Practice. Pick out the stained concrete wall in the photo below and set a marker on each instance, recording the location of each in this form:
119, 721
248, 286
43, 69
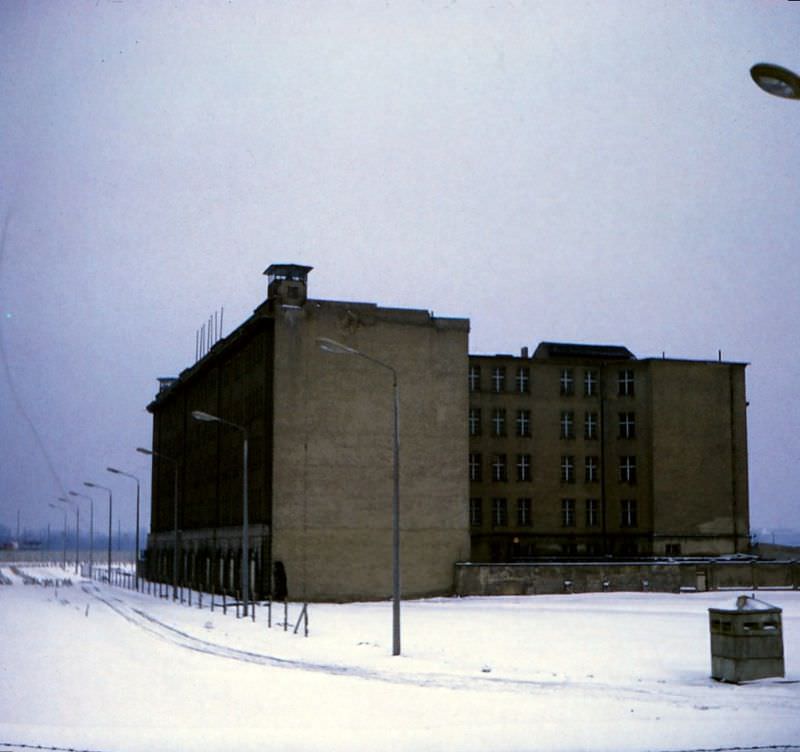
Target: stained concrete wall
333, 439
594, 577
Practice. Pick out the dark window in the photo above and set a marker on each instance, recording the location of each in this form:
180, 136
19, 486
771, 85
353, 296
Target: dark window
499, 471
628, 510
627, 469
476, 511
592, 468
524, 518
627, 425
498, 379
567, 512
499, 421
475, 466
592, 512
523, 422
567, 424
590, 425
523, 467
590, 383
523, 379
474, 421
474, 378
673, 549
567, 469
499, 513
625, 383
566, 382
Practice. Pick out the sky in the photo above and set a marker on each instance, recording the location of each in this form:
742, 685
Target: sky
575, 171
103, 668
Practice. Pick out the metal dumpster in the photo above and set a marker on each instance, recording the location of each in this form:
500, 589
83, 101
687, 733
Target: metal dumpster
746, 642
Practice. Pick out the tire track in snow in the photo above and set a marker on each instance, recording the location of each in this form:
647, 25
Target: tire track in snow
175, 636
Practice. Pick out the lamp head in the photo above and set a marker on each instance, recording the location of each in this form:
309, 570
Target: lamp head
206, 417
144, 451
332, 346
775, 80
114, 470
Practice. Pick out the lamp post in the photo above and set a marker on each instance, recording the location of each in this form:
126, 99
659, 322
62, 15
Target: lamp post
91, 529
331, 346
136, 559
775, 80
77, 529
103, 488
206, 417
174, 462
64, 511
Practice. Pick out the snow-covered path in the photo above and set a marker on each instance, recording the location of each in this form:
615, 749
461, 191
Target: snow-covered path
99, 668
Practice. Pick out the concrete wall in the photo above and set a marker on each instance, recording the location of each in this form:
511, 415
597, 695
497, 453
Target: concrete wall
594, 577
699, 456
333, 439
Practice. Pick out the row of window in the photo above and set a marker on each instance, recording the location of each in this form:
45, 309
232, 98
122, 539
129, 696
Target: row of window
522, 423
522, 378
569, 512
499, 463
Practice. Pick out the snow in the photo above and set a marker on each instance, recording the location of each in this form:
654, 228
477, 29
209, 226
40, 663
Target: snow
95, 667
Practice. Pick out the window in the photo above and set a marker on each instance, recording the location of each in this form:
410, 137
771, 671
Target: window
628, 509
523, 422
627, 425
499, 421
590, 425
672, 549
523, 379
627, 469
567, 424
592, 468
567, 469
625, 383
499, 379
474, 421
590, 383
474, 378
567, 512
592, 512
475, 466
476, 511
499, 468
524, 518
499, 513
523, 467
566, 382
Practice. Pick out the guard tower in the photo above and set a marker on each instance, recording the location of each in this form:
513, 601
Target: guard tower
288, 283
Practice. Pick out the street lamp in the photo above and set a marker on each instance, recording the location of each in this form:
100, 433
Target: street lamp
775, 80
136, 561
77, 529
64, 511
337, 348
91, 529
103, 488
207, 418
174, 462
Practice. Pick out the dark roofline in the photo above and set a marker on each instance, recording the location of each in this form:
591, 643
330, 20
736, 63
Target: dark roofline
576, 350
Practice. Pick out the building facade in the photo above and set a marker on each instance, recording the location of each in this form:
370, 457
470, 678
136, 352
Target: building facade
320, 435
587, 451
575, 451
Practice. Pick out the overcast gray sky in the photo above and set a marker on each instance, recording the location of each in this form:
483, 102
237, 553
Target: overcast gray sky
578, 171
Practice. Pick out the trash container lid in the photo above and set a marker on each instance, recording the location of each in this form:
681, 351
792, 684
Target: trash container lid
748, 603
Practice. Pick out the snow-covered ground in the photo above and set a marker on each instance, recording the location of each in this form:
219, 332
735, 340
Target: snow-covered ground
92, 667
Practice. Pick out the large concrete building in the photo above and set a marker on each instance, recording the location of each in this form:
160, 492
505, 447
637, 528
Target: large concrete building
574, 451
584, 450
320, 467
